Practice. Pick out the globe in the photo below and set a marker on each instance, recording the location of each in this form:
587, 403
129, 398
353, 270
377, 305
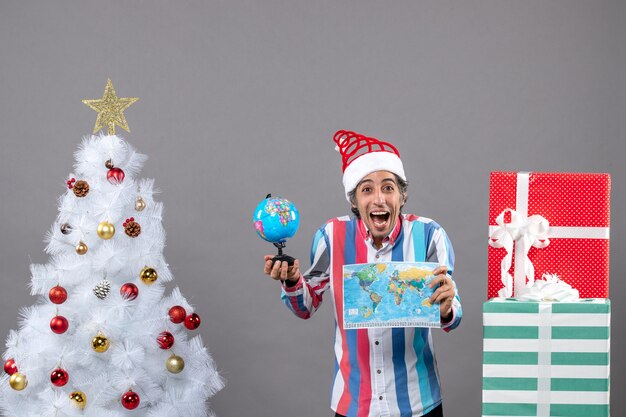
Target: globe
276, 219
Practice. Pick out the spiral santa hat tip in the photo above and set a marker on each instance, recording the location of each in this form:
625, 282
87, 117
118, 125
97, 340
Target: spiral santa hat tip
361, 155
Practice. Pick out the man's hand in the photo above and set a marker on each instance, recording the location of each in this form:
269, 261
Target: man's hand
444, 294
281, 271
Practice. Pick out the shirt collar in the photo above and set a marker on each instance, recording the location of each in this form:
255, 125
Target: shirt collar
392, 236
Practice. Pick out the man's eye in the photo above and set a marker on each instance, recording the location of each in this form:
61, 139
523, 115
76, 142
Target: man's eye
365, 190
388, 188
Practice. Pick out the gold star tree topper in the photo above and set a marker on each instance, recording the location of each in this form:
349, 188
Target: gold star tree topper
110, 110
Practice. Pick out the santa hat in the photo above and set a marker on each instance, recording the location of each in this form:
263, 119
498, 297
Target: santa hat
362, 155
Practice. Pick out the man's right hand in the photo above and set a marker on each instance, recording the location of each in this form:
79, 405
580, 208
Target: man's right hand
281, 271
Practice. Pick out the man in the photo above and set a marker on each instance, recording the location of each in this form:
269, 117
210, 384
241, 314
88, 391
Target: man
378, 372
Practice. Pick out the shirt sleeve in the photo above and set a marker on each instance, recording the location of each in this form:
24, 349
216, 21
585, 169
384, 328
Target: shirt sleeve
305, 297
440, 251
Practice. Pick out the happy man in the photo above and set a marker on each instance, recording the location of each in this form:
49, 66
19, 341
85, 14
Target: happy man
379, 371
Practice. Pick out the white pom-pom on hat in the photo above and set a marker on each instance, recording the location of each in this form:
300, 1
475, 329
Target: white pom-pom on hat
362, 155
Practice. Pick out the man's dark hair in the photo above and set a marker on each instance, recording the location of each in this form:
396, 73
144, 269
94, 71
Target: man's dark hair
402, 185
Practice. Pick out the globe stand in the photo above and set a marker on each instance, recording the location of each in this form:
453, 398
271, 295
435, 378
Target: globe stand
282, 257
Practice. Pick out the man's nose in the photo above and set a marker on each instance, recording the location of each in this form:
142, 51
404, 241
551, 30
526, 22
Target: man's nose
380, 197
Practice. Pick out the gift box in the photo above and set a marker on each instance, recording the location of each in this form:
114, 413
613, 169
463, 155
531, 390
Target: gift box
554, 223
546, 359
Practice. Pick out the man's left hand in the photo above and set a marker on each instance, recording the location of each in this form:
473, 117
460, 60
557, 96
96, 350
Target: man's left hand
444, 294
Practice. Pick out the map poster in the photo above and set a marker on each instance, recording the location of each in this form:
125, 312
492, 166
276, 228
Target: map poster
389, 294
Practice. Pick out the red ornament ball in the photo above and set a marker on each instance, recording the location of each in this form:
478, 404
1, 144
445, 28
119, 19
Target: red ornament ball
59, 324
165, 340
10, 367
192, 321
129, 291
59, 377
57, 294
177, 314
130, 400
115, 176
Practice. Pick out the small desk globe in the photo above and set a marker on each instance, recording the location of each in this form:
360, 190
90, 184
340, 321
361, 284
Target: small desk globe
276, 219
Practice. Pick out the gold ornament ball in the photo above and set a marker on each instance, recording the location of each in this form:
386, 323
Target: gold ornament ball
81, 248
175, 364
106, 230
79, 399
18, 381
140, 204
100, 343
148, 275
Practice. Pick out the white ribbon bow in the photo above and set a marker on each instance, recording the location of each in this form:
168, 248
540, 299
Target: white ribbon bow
549, 288
524, 232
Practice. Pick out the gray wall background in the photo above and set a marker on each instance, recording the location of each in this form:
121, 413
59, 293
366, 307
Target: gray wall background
241, 98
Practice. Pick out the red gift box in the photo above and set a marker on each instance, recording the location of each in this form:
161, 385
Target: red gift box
560, 219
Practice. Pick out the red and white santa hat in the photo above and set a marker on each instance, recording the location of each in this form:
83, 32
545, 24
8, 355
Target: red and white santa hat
362, 155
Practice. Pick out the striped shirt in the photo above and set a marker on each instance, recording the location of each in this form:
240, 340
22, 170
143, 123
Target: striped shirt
378, 372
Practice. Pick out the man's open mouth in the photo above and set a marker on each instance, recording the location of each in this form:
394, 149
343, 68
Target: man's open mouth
379, 218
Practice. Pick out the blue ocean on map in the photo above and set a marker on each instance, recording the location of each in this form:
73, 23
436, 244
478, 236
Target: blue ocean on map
389, 294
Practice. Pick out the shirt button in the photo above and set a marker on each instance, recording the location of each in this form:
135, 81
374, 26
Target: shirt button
378, 371
380, 398
377, 343
377, 256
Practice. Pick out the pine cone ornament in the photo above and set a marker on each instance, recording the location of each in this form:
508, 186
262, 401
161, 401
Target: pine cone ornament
102, 289
131, 227
81, 188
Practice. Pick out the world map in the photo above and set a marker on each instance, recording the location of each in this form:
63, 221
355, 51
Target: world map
390, 294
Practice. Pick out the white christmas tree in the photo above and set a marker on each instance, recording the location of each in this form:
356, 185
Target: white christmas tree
103, 339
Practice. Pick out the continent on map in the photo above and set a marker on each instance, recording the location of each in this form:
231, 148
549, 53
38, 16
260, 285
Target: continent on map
376, 299
412, 279
367, 276
415, 273
280, 206
258, 225
397, 288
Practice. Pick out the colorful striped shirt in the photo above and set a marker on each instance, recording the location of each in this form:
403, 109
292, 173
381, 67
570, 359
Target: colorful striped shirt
378, 372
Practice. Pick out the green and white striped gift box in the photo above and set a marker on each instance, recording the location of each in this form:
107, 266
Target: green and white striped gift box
546, 359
